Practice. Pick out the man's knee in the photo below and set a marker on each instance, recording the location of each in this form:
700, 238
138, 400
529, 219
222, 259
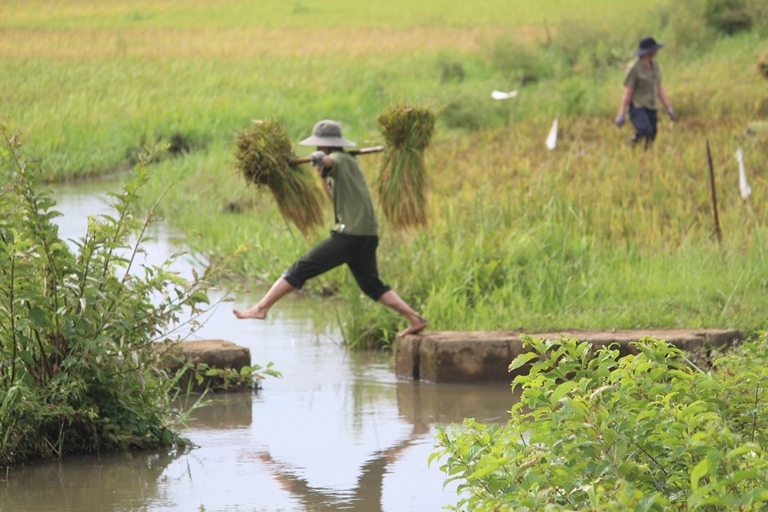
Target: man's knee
293, 279
372, 287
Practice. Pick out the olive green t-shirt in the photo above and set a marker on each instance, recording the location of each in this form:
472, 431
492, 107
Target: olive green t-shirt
644, 82
352, 203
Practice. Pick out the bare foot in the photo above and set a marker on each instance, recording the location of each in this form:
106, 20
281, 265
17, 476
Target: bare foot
256, 312
414, 328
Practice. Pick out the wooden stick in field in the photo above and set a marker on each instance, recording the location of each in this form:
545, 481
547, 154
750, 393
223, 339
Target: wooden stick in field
718, 231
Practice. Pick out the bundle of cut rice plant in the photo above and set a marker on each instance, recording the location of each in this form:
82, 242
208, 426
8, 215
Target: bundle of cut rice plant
403, 183
263, 156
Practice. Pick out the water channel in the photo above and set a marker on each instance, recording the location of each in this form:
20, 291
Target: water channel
339, 431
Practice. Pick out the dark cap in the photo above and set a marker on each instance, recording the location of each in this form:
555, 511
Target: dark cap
647, 45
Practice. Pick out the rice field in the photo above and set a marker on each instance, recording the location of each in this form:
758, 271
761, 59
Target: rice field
592, 234
343, 14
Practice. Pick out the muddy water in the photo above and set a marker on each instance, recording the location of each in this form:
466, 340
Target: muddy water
338, 432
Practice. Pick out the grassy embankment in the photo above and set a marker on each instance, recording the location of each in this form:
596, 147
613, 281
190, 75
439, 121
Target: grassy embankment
591, 235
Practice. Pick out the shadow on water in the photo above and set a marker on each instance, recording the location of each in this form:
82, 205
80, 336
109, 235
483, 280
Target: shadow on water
339, 431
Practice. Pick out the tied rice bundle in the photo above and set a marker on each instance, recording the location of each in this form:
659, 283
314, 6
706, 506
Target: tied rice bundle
263, 156
403, 183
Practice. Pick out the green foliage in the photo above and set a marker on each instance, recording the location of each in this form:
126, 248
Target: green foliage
364, 324
594, 431
452, 71
728, 16
574, 95
577, 46
472, 112
588, 45
685, 28
758, 10
229, 379
522, 62
77, 369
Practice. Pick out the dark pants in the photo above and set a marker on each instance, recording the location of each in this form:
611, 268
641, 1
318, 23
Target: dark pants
358, 252
645, 121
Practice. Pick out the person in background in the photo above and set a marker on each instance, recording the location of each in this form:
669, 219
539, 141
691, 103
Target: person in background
353, 240
643, 92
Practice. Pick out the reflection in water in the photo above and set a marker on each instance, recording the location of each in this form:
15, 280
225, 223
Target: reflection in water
224, 411
126, 481
425, 403
337, 432
422, 405
366, 496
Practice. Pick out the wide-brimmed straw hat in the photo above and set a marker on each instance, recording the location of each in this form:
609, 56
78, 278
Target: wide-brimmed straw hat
647, 45
327, 134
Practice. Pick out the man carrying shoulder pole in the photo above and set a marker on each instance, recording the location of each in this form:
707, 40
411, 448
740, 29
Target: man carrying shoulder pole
353, 240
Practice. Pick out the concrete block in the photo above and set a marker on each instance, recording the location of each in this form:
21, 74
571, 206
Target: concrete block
216, 353
407, 357
485, 356
465, 357
220, 354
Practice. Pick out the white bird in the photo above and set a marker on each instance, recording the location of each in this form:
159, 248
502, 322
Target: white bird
500, 95
744, 189
552, 137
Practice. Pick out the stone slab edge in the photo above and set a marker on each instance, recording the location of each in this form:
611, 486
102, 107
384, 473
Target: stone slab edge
478, 356
215, 353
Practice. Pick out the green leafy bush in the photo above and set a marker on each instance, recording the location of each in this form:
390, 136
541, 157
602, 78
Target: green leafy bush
574, 93
728, 16
684, 27
758, 10
521, 62
77, 369
593, 431
590, 46
452, 71
202, 377
693, 26
473, 112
